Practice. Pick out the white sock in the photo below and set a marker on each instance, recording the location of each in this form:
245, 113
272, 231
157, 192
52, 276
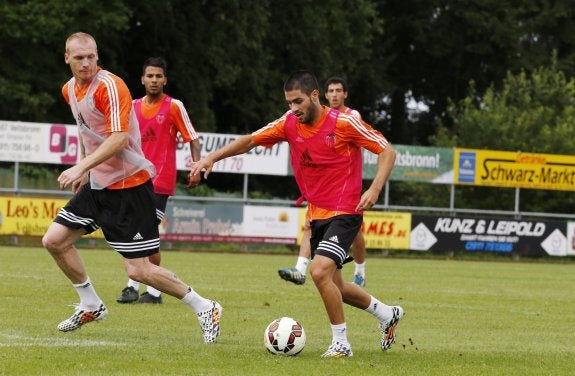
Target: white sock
152, 291
360, 269
382, 311
88, 297
134, 284
301, 264
196, 302
339, 332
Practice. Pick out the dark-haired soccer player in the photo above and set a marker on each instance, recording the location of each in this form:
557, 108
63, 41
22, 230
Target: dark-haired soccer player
325, 147
161, 118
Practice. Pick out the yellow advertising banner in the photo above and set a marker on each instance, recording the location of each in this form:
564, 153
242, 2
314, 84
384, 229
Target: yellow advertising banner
381, 230
386, 230
30, 216
514, 169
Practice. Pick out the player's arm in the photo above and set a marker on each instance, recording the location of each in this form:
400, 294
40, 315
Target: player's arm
266, 136
111, 146
240, 145
184, 125
364, 135
195, 151
385, 162
76, 185
186, 128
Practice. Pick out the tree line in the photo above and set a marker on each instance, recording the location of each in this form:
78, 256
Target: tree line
485, 74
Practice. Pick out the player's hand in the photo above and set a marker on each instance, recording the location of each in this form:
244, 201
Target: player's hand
72, 176
368, 199
194, 180
79, 183
204, 164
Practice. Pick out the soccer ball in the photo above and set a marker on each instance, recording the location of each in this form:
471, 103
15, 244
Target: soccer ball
284, 336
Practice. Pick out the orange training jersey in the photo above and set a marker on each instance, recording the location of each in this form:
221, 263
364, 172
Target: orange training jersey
178, 115
115, 102
350, 132
159, 124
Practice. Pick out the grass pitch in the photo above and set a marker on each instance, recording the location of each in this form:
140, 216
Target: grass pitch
462, 318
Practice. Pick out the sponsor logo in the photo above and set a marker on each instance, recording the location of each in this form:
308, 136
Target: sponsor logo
467, 163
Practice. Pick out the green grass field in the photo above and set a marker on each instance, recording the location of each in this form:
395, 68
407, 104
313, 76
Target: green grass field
462, 318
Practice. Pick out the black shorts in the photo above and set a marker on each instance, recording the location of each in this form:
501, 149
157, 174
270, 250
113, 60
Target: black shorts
161, 202
333, 237
127, 217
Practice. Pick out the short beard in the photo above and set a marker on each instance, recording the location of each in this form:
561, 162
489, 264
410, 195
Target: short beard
310, 116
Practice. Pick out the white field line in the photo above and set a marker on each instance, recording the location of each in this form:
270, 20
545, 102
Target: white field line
21, 276
14, 340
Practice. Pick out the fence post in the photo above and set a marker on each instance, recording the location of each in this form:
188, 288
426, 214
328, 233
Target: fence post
16, 175
517, 201
245, 193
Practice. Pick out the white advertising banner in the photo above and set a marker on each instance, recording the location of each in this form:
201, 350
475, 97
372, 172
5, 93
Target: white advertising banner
271, 221
58, 144
260, 160
38, 142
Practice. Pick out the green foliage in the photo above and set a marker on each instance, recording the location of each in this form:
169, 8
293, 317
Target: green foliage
228, 60
34, 171
33, 34
433, 49
462, 318
418, 194
532, 112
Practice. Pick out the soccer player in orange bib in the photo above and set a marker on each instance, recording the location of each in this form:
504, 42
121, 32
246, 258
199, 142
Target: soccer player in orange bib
336, 94
325, 147
161, 118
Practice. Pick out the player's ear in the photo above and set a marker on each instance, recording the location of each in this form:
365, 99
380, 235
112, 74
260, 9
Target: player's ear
142, 80
315, 95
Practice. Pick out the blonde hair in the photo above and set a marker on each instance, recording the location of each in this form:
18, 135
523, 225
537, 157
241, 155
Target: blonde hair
82, 36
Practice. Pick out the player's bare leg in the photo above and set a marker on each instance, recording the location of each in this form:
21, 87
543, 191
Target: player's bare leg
208, 311
59, 241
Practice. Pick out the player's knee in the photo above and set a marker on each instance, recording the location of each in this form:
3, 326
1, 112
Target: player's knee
135, 273
319, 275
142, 273
50, 243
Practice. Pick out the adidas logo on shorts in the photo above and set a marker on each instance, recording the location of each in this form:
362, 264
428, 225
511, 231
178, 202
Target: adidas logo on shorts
334, 239
138, 236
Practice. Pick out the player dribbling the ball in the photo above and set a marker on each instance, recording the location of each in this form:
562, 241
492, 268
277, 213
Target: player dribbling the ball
325, 148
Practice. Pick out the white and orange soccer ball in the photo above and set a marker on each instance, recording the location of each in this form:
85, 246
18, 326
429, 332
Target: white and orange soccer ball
284, 336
